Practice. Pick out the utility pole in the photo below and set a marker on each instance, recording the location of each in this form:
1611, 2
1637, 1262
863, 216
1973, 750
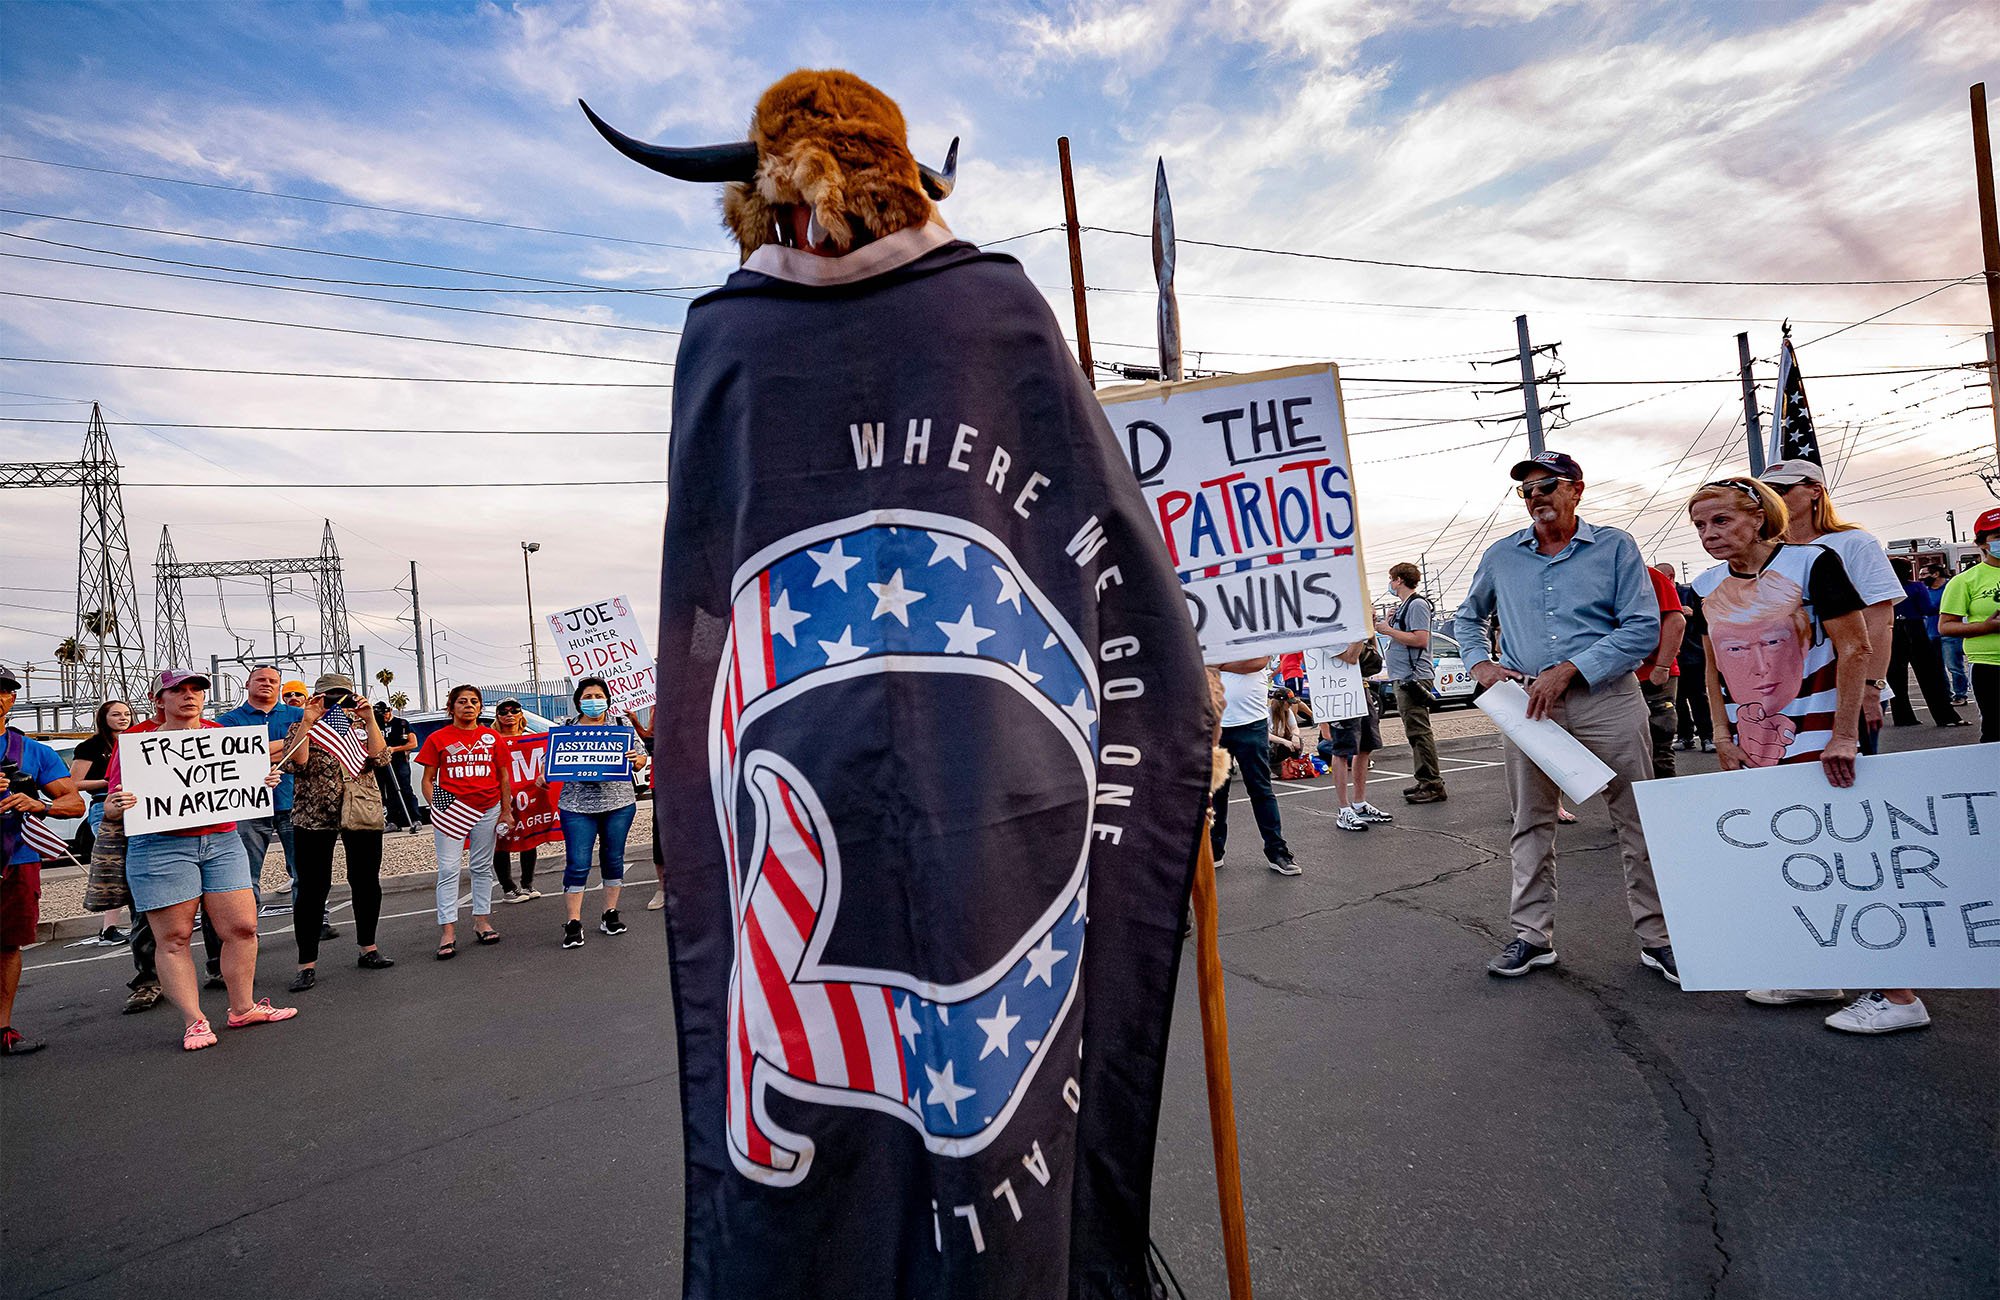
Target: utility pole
1951, 526
1751, 425
1989, 244
1075, 233
534, 659
417, 630
1532, 402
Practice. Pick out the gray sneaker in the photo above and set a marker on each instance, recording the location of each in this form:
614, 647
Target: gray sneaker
1284, 866
1871, 1013
1785, 997
1368, 812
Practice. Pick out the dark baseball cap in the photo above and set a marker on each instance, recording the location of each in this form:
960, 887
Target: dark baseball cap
9, 682
1554, 462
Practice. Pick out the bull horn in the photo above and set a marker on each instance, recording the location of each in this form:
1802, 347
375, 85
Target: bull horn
938, 184
736, 161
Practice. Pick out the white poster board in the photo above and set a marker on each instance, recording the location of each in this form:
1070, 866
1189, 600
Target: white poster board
1565, 759
604, 639
195, 778
1249, 480
1771, 878
1338, 690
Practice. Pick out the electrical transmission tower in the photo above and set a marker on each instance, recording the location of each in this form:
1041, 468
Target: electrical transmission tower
108, 635
170, 626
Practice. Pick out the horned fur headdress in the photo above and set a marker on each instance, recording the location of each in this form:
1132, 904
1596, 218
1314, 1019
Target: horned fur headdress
827, 166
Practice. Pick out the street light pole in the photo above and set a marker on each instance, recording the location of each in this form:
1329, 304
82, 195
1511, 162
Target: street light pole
534, 660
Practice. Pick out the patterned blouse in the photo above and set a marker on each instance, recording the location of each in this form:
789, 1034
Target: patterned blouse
319, 782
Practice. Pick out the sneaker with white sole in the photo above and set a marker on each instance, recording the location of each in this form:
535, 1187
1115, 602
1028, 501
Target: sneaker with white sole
1785, 997
1661, 959
1349, 820
659, 900
1871, 1013
1368, 812
1284, 866
610, 924
1518, 958
572, 934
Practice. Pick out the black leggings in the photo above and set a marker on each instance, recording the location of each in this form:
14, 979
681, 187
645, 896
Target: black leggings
315, 865
1986, 693
500, 866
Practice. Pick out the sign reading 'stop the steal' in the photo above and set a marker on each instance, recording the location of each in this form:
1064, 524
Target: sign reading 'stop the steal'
1250, 482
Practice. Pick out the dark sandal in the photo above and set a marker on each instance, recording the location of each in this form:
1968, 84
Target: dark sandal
486, 936
446, 951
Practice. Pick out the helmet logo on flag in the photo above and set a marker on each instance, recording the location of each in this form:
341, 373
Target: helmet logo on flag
860, 656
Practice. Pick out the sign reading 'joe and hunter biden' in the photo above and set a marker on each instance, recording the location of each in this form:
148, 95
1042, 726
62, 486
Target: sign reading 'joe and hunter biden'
1771, 878
1249, 480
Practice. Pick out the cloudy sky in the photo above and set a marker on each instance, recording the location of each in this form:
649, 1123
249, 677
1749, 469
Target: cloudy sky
408, 190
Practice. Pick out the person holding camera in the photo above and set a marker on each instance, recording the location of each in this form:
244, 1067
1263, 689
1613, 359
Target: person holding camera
331, 804
38, 785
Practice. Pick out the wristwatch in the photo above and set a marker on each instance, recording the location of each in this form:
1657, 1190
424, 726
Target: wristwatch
1876, 682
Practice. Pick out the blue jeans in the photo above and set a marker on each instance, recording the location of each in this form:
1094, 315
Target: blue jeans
580, 831
1954, 666
1250, 745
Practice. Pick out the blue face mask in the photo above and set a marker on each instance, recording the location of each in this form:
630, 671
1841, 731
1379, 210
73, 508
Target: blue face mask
1993, 548
593, 708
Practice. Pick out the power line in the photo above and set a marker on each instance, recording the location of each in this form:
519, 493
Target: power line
1528, 275
366, 207
553, 483
322, 428
312, 374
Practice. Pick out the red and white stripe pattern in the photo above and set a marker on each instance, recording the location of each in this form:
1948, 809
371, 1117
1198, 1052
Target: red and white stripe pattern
832, 1034
336, 733
454, 817
43, 840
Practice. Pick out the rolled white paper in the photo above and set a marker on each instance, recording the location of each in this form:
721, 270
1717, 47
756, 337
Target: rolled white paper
1562, 756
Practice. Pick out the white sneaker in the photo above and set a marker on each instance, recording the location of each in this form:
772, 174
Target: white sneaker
514, 896
1350, 820
1871, 1013
1785, 997
1368, 812
659, 900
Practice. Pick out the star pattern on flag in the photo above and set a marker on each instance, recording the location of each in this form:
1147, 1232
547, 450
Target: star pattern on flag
998, 1028
785, 620
963, 636
894, 598
947, 547
1796, 437
833, 565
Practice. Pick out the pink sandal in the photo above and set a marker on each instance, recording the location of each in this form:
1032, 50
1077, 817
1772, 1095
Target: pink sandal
261, 1013
197, 1036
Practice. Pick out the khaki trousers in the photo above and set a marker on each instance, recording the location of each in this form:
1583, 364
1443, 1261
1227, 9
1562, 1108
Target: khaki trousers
1612, 724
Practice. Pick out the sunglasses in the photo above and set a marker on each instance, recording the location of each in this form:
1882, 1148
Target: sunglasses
1741, 485
509, 709
1541, 487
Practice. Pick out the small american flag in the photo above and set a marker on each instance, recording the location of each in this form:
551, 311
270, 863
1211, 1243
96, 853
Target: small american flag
43, 840
453, 816
337, 733
1792, 433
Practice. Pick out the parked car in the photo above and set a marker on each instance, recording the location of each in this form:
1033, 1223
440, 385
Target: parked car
1451, 680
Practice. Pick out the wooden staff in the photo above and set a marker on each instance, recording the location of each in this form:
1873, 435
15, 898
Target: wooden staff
1215, 1055
1075, 233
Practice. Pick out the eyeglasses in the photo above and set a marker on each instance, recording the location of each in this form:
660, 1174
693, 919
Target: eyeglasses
1541, 487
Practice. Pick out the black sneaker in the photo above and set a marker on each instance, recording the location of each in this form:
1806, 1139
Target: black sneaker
143, 998
610, 923
304, 980
1284, 866
572, 934
1520, 957
326, 931
1661, 959
374, 960
111, 935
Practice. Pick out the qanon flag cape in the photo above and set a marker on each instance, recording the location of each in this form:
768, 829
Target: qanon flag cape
931, 757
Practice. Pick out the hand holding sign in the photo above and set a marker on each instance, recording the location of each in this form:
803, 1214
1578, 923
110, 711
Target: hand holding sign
181, 779
603, 639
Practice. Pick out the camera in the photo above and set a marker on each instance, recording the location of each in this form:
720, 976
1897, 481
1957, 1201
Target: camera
338, 699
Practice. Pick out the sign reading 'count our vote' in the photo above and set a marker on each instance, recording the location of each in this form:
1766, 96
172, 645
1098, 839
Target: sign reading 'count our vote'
1772, 878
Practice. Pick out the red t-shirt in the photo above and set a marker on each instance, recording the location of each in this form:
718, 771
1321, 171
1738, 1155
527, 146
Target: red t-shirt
1291, 665
1670, 603
115, 777
464, 763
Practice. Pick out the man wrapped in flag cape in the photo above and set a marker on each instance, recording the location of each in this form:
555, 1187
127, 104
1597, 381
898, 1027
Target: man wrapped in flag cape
932, 749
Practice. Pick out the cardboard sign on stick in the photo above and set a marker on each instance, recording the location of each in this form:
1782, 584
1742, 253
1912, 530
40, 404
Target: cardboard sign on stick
1251, 485
195, 778
1772, 878
604, 639
1338, 690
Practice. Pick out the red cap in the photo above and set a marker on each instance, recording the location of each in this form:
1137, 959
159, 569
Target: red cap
1986, 523
172, 677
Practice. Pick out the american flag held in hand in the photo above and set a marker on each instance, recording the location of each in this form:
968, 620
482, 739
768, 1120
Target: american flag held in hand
337, 733
454, 816
42, 839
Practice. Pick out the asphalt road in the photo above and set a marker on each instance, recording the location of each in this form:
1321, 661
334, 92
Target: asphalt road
507, 1124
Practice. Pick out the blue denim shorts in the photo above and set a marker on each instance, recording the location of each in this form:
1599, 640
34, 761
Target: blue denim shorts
163, 870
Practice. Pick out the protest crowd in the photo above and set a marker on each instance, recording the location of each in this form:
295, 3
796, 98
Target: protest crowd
1788, 643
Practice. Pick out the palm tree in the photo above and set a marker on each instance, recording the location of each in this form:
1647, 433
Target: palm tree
100, 623
400, 700
69, 654
384, 676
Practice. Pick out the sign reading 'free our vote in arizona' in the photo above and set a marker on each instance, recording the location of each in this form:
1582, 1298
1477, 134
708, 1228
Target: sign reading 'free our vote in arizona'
1771, 878
194, 778
1250, 482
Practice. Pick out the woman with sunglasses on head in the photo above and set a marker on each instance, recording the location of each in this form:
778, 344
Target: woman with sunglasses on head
461, 777
90, 764
512, 722
594, 813
1788, 652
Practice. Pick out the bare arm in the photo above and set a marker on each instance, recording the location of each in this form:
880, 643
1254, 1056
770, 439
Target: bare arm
1726, 749
59, 798
77, 768
1245, 665
1673, 629
1853, 660
1879, 618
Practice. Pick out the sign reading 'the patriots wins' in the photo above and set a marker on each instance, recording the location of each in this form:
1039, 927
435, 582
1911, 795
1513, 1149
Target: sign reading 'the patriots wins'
932, 751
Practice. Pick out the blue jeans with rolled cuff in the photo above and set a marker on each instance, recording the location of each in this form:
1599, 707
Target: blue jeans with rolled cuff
607, 830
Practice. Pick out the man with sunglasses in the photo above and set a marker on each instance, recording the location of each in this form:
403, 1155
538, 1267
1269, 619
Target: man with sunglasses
1577, 618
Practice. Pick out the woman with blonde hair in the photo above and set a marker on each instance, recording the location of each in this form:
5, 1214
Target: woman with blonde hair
1787, 649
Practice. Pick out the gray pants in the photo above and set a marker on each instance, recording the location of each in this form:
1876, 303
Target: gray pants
478, 858
1612, 723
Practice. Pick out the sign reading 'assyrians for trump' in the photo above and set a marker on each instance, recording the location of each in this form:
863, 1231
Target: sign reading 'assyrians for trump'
1772, 878
1249, 480
195, 778
603, 639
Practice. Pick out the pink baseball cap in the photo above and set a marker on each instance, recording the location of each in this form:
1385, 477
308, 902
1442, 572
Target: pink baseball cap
172, 677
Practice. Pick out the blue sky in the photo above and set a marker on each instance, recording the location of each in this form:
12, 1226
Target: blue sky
1680, 140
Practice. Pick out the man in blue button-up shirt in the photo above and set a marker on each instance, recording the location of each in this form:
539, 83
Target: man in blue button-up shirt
1577, 617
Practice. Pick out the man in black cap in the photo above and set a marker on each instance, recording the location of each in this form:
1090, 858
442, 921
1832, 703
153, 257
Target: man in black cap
1577, 618
38, 784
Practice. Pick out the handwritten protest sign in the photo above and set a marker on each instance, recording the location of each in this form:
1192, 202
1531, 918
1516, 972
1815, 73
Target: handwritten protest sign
1251, 484
603, 639
1771, 878
195, 778
536, 820
589, 753
1338, 690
